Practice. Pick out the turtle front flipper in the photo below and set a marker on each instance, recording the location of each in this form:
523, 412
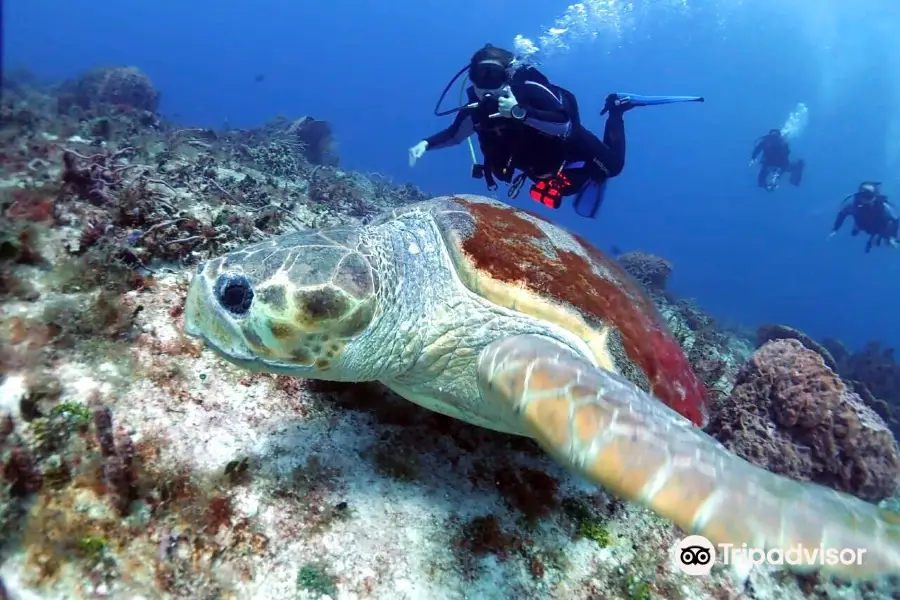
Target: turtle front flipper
625, 440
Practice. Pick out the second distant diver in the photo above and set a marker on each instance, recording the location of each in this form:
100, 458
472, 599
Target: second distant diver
872, 213
525, 123
775, 161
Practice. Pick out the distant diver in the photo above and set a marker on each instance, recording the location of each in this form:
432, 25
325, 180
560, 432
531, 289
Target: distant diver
526, 123
775, 161
872, 213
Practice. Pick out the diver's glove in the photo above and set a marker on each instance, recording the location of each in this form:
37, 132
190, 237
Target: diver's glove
617, 105
505, 105
416, 152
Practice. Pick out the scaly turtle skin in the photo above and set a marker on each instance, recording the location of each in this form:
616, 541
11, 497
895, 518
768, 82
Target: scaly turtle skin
496, 317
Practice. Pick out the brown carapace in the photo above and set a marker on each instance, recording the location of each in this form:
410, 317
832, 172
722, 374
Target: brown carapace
514, 249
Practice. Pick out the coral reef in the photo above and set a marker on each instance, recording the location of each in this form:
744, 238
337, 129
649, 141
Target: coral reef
134, 463
311, 138
874, 366
715, 355
874, 374
650, 270
125, 87
774, 331
791, 414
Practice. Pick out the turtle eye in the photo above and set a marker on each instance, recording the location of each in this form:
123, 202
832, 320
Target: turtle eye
234, 293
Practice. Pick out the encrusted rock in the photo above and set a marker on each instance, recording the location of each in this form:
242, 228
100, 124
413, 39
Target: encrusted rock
774, 331
789, 413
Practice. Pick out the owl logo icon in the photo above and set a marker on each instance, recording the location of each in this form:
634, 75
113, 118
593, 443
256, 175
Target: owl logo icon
695, 555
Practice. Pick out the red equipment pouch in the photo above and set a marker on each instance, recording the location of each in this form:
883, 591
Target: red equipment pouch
549, 192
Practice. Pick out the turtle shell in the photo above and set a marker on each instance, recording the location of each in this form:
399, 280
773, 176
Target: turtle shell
523, 262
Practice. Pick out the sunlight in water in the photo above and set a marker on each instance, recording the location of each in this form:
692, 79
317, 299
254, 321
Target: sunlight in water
796, 122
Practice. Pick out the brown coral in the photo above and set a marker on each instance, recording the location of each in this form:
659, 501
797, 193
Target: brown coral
651, 270
774, 331
791, 414
117, 86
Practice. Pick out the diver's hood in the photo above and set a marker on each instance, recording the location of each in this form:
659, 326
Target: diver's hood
488, 75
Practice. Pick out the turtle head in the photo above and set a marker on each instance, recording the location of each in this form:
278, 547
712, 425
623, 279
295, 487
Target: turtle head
294, 305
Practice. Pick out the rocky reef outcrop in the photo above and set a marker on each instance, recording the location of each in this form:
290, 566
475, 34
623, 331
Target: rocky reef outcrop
127, 87
775, 331
874, 365
872, 372
791, 414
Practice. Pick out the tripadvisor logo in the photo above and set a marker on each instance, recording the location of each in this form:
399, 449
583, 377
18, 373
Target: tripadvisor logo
696, 555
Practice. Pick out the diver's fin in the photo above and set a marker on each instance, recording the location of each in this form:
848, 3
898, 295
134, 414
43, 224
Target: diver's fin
797, 172
639, 100
587, 202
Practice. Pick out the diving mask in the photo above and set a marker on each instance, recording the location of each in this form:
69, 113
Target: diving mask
488, 75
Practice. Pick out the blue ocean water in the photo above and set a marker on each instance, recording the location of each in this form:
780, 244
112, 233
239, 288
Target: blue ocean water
375, 70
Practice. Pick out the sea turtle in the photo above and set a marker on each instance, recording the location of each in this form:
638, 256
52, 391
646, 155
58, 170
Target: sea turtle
495, 316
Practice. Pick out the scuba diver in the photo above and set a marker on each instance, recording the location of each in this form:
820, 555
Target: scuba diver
775, 152
525, 123
872, 214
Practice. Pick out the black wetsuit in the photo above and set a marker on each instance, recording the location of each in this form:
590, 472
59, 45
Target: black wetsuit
775, 158
548, 141
872, 214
